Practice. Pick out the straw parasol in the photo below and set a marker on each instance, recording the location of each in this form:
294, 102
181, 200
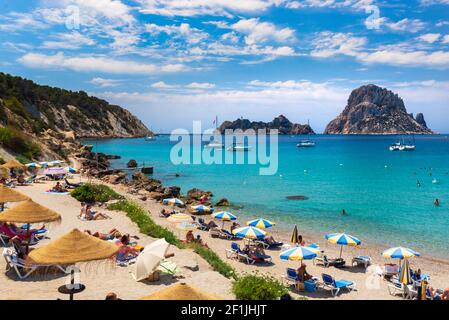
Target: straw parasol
13, 164
73, 247
180, 291
9, 195
29, 212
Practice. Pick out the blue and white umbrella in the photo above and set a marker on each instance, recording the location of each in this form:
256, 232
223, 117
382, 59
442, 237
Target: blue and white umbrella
260, 223
173, 201
70, 170
33, 165
201, 208
343, 239
249, 233
299, 253
400, 253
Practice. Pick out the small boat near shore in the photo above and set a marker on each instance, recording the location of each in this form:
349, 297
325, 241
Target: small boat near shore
398, 146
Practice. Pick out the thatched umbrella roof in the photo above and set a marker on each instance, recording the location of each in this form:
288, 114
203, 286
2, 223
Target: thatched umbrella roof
13, 164
73, 247
180, 291
9, 195
29, 212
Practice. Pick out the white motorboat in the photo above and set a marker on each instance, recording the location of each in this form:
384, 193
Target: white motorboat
239, 147
306, 144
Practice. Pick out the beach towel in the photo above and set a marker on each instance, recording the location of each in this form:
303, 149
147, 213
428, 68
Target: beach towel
58, 193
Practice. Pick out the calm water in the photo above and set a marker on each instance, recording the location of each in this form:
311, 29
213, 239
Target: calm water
376, 187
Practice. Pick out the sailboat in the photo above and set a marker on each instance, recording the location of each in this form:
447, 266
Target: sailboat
402, 146
214, 144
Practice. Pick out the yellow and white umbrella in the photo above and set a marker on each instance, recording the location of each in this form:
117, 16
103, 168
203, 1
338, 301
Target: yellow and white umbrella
179, 217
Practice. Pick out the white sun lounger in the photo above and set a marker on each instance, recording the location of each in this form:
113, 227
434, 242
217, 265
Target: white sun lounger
23, 269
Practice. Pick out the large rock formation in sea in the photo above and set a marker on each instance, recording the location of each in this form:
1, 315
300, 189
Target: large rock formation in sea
54, 118
281, 123
375, 110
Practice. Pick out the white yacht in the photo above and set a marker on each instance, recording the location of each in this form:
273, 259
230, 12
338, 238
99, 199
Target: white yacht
399, 146
305, 144
214, 144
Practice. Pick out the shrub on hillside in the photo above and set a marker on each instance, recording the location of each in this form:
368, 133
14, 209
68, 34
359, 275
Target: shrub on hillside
94, 193
14, 140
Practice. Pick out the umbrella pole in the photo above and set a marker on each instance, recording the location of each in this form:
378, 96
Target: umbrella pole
28, 238
341, 250
72, 282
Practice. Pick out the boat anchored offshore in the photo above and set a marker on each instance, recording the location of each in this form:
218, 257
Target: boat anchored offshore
398, 146
239, 147
214, 145
305, 144
150, 138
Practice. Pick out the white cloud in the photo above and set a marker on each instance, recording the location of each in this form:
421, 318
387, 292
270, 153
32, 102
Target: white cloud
68, 40
353, 4
190, 8
95, 64
446, 39
433, 2
183, 31
203, 85
15, 21
404, 25
163, 85
328, 44
104, 83
437, 59
430, 37
259, 32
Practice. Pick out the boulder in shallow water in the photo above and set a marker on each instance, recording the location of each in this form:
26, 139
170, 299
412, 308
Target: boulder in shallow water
300, 198
132, 163
223, 203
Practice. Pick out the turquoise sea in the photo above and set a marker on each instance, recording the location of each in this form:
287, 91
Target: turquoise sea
377, 187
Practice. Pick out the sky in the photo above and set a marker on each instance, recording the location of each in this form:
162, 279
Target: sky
174, 61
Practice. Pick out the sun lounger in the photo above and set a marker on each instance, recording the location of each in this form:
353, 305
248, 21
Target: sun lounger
396, 287
361, 261
336, 285
291, 276
222, 234
23, 269
4, 239
202, 225
237, 253
266, 245
328, 262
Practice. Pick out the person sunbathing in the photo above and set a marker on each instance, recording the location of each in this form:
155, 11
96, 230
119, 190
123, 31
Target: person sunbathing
88, 214
58, 188
234, 225
190, 237
212, 224
437, 294
200, 241
165, 214
303, 275
112, 234
11, 231
16, 242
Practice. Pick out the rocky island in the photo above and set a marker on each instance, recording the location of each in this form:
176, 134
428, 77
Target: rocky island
375, 110
280, 123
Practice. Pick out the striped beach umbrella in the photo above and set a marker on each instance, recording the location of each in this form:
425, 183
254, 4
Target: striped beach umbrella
55, 163
249, 233
224, 216
201, 208
299, 253
33, 165
400, 253
70, 170
294, 238
173, 201
44, 164
405, 276
342, 239
260, 223
179, 217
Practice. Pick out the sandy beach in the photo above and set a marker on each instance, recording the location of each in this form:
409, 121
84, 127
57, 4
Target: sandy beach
101, 278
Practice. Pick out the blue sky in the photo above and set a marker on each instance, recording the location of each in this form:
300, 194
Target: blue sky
174, 61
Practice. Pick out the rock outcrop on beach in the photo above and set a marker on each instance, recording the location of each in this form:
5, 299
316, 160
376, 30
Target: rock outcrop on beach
375, 110
280, 123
